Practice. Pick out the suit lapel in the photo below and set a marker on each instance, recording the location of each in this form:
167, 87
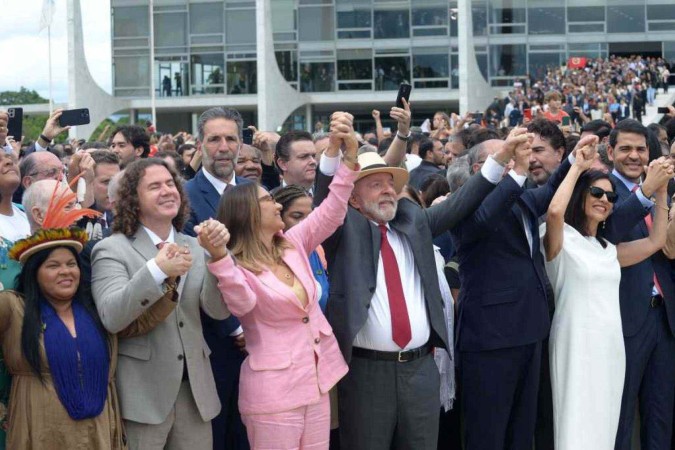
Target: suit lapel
142, 243
272, 282
210, 194
624, 193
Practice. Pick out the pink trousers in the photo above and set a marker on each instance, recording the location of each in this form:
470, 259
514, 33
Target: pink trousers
307, 427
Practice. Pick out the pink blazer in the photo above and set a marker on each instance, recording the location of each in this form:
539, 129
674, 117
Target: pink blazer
293, 354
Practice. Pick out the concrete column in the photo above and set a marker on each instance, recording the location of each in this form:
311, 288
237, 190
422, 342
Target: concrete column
133, 116
276, 98
83, 91
474, 91
195, 121
309, 123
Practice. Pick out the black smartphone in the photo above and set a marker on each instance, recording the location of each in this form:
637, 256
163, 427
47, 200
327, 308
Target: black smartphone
74, 117
403, 93
247, 136
662, 110
15, 123
478, 117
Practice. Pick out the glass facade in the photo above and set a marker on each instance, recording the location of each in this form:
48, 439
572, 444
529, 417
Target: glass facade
208, 46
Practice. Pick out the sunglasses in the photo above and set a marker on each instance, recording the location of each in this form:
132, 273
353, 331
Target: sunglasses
597, 192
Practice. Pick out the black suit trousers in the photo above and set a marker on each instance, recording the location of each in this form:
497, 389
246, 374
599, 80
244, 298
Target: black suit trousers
499, 397
649, 384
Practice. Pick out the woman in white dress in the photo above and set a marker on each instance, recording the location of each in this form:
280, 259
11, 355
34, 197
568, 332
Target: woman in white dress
586, 347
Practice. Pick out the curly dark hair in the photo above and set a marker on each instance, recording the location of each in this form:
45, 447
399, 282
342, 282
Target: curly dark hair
127, 209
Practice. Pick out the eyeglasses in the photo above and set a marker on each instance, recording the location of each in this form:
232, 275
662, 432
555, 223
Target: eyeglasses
597, 192
265, 199
48, 173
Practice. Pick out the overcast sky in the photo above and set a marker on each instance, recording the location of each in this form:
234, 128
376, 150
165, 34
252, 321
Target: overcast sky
24, 50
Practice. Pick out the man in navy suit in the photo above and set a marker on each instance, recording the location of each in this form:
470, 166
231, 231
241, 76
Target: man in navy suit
646, 295
503, 322
220, 139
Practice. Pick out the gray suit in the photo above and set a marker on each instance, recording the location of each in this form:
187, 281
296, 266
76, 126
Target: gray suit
150, 367
382, 401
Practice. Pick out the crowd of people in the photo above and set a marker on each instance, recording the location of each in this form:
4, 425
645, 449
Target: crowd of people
477, 285
609, 89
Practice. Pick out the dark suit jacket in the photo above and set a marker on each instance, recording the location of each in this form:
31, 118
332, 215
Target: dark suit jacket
203, 205
636, 281
503, 301
420, 173
353, 252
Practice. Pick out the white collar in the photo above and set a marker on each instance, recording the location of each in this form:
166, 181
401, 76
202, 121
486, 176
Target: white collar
156, 239
217, 183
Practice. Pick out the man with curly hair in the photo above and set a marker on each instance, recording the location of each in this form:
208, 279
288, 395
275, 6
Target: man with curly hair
166, 387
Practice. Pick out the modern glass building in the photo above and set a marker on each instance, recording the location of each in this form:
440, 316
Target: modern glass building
343, 47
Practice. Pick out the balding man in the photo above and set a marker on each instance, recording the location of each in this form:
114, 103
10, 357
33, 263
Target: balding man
36, 200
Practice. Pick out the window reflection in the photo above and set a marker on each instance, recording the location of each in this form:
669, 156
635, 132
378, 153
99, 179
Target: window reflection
391, 71
392, 24
241, 77
208, 74
317, 77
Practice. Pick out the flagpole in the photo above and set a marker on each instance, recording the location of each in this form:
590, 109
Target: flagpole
152, 65
49, 47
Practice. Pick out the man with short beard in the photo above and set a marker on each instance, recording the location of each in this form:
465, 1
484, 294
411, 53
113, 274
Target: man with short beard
387, 329
548, 149
220, 141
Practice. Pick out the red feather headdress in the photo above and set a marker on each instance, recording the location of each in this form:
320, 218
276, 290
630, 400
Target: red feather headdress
56, 228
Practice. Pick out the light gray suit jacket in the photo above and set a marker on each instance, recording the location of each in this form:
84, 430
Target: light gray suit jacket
150, 367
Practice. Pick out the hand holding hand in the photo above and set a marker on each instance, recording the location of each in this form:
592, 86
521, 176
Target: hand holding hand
585, 141
522, 152
213, 236
173, 260
508, 151
659, 172
585, 157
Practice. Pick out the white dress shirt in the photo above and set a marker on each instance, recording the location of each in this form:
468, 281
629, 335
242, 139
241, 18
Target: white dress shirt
376, 334
157, 273
218, 184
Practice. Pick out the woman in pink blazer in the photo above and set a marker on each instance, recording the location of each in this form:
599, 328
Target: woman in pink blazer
294, 358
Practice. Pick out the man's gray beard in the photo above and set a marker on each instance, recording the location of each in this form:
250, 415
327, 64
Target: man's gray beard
374, 211
222, 173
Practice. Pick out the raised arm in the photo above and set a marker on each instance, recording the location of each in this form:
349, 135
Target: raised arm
473, 209
633, 252
397, 150
555, 217
327, 217
379, 131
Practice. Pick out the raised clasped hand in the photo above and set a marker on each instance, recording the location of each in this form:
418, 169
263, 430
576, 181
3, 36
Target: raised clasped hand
659, 172
213, 236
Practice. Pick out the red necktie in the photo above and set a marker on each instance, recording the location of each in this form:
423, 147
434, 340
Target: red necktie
400, 322
649, 223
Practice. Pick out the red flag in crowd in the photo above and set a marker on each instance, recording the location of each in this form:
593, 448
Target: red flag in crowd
576, 62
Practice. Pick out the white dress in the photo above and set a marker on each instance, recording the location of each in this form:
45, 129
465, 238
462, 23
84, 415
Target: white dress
587, 356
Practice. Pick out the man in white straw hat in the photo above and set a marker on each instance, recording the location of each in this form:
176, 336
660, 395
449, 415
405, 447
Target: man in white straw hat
385, 305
